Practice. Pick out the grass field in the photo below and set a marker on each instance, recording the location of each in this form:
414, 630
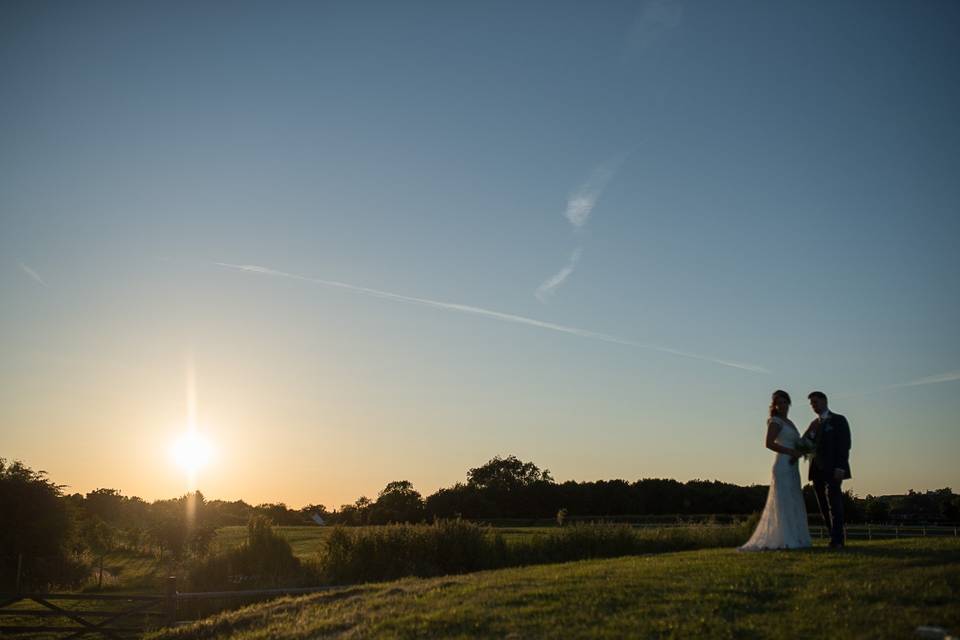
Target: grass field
132, 572
879, 589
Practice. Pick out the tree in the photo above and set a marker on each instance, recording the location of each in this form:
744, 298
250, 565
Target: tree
37, 531
223, 514
278, 513
106, 504
877, 510
310, 510
397, 502
132, 537
505, 474
99, 538
200, 540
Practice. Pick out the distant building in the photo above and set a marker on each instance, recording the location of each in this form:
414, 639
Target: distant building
316, 517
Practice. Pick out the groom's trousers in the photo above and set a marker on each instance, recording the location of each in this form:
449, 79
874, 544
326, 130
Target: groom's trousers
830, 500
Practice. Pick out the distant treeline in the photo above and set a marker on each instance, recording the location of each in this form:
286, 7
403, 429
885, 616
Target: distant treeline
56, 534
509, 488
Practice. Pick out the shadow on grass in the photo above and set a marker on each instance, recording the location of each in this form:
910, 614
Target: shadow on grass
920, 556
212, 624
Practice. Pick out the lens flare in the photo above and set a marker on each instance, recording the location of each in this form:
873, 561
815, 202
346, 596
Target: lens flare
192, 452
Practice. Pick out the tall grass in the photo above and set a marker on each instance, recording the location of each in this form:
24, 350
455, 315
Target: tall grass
585, 541
368, 554
455, 546
393, 551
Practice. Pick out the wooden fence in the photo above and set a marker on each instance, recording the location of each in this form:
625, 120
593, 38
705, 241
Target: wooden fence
113, 621
886, 532
129, 617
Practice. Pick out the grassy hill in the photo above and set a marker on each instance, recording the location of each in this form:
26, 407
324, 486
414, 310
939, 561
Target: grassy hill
872, 590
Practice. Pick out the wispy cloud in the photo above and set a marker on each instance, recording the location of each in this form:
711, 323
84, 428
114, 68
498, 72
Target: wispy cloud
33, 274
580, 205
655, 19
487, 313
581, 202
546, 289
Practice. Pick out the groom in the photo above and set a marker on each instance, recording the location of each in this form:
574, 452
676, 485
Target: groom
830, 465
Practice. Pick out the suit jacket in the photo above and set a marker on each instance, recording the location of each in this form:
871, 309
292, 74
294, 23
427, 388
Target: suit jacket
833, 447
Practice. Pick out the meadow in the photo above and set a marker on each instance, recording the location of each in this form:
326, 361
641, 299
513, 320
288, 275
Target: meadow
127, 571
460, 580
874, 589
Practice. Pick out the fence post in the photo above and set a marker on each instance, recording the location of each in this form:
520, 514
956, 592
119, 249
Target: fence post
869, 532
171, 601
19, 570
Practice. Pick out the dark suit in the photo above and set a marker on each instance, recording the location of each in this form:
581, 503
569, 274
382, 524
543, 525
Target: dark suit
833, 452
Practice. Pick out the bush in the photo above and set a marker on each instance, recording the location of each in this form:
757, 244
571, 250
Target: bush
265, 560
394, 551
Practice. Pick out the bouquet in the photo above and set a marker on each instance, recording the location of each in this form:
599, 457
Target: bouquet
807, 447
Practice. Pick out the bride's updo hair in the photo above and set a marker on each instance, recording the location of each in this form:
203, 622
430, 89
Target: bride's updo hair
779, 393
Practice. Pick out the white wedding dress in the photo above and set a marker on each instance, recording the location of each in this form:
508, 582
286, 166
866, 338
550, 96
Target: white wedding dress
783, 524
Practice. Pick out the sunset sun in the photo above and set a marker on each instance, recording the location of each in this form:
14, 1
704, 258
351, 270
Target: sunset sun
192, 452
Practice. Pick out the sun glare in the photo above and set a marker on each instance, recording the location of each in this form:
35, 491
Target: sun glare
192, 452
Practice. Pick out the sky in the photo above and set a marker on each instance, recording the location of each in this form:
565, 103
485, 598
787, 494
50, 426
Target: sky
385, 241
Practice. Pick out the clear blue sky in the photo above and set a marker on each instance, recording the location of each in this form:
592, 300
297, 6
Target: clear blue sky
769, 187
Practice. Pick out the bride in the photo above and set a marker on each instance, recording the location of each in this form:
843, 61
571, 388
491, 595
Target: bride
783, 524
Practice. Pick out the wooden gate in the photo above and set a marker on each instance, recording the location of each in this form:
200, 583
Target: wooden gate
129, 616
118, 617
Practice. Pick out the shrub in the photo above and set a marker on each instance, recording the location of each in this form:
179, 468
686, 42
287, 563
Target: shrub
393, 551
264, 560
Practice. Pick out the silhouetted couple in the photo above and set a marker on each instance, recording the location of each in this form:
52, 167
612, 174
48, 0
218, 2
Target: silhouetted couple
783, 524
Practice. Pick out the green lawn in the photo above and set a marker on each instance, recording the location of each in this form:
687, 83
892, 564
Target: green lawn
871, 590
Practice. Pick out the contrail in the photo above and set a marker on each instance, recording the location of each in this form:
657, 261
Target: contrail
949, 376
497, 315
33, 274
